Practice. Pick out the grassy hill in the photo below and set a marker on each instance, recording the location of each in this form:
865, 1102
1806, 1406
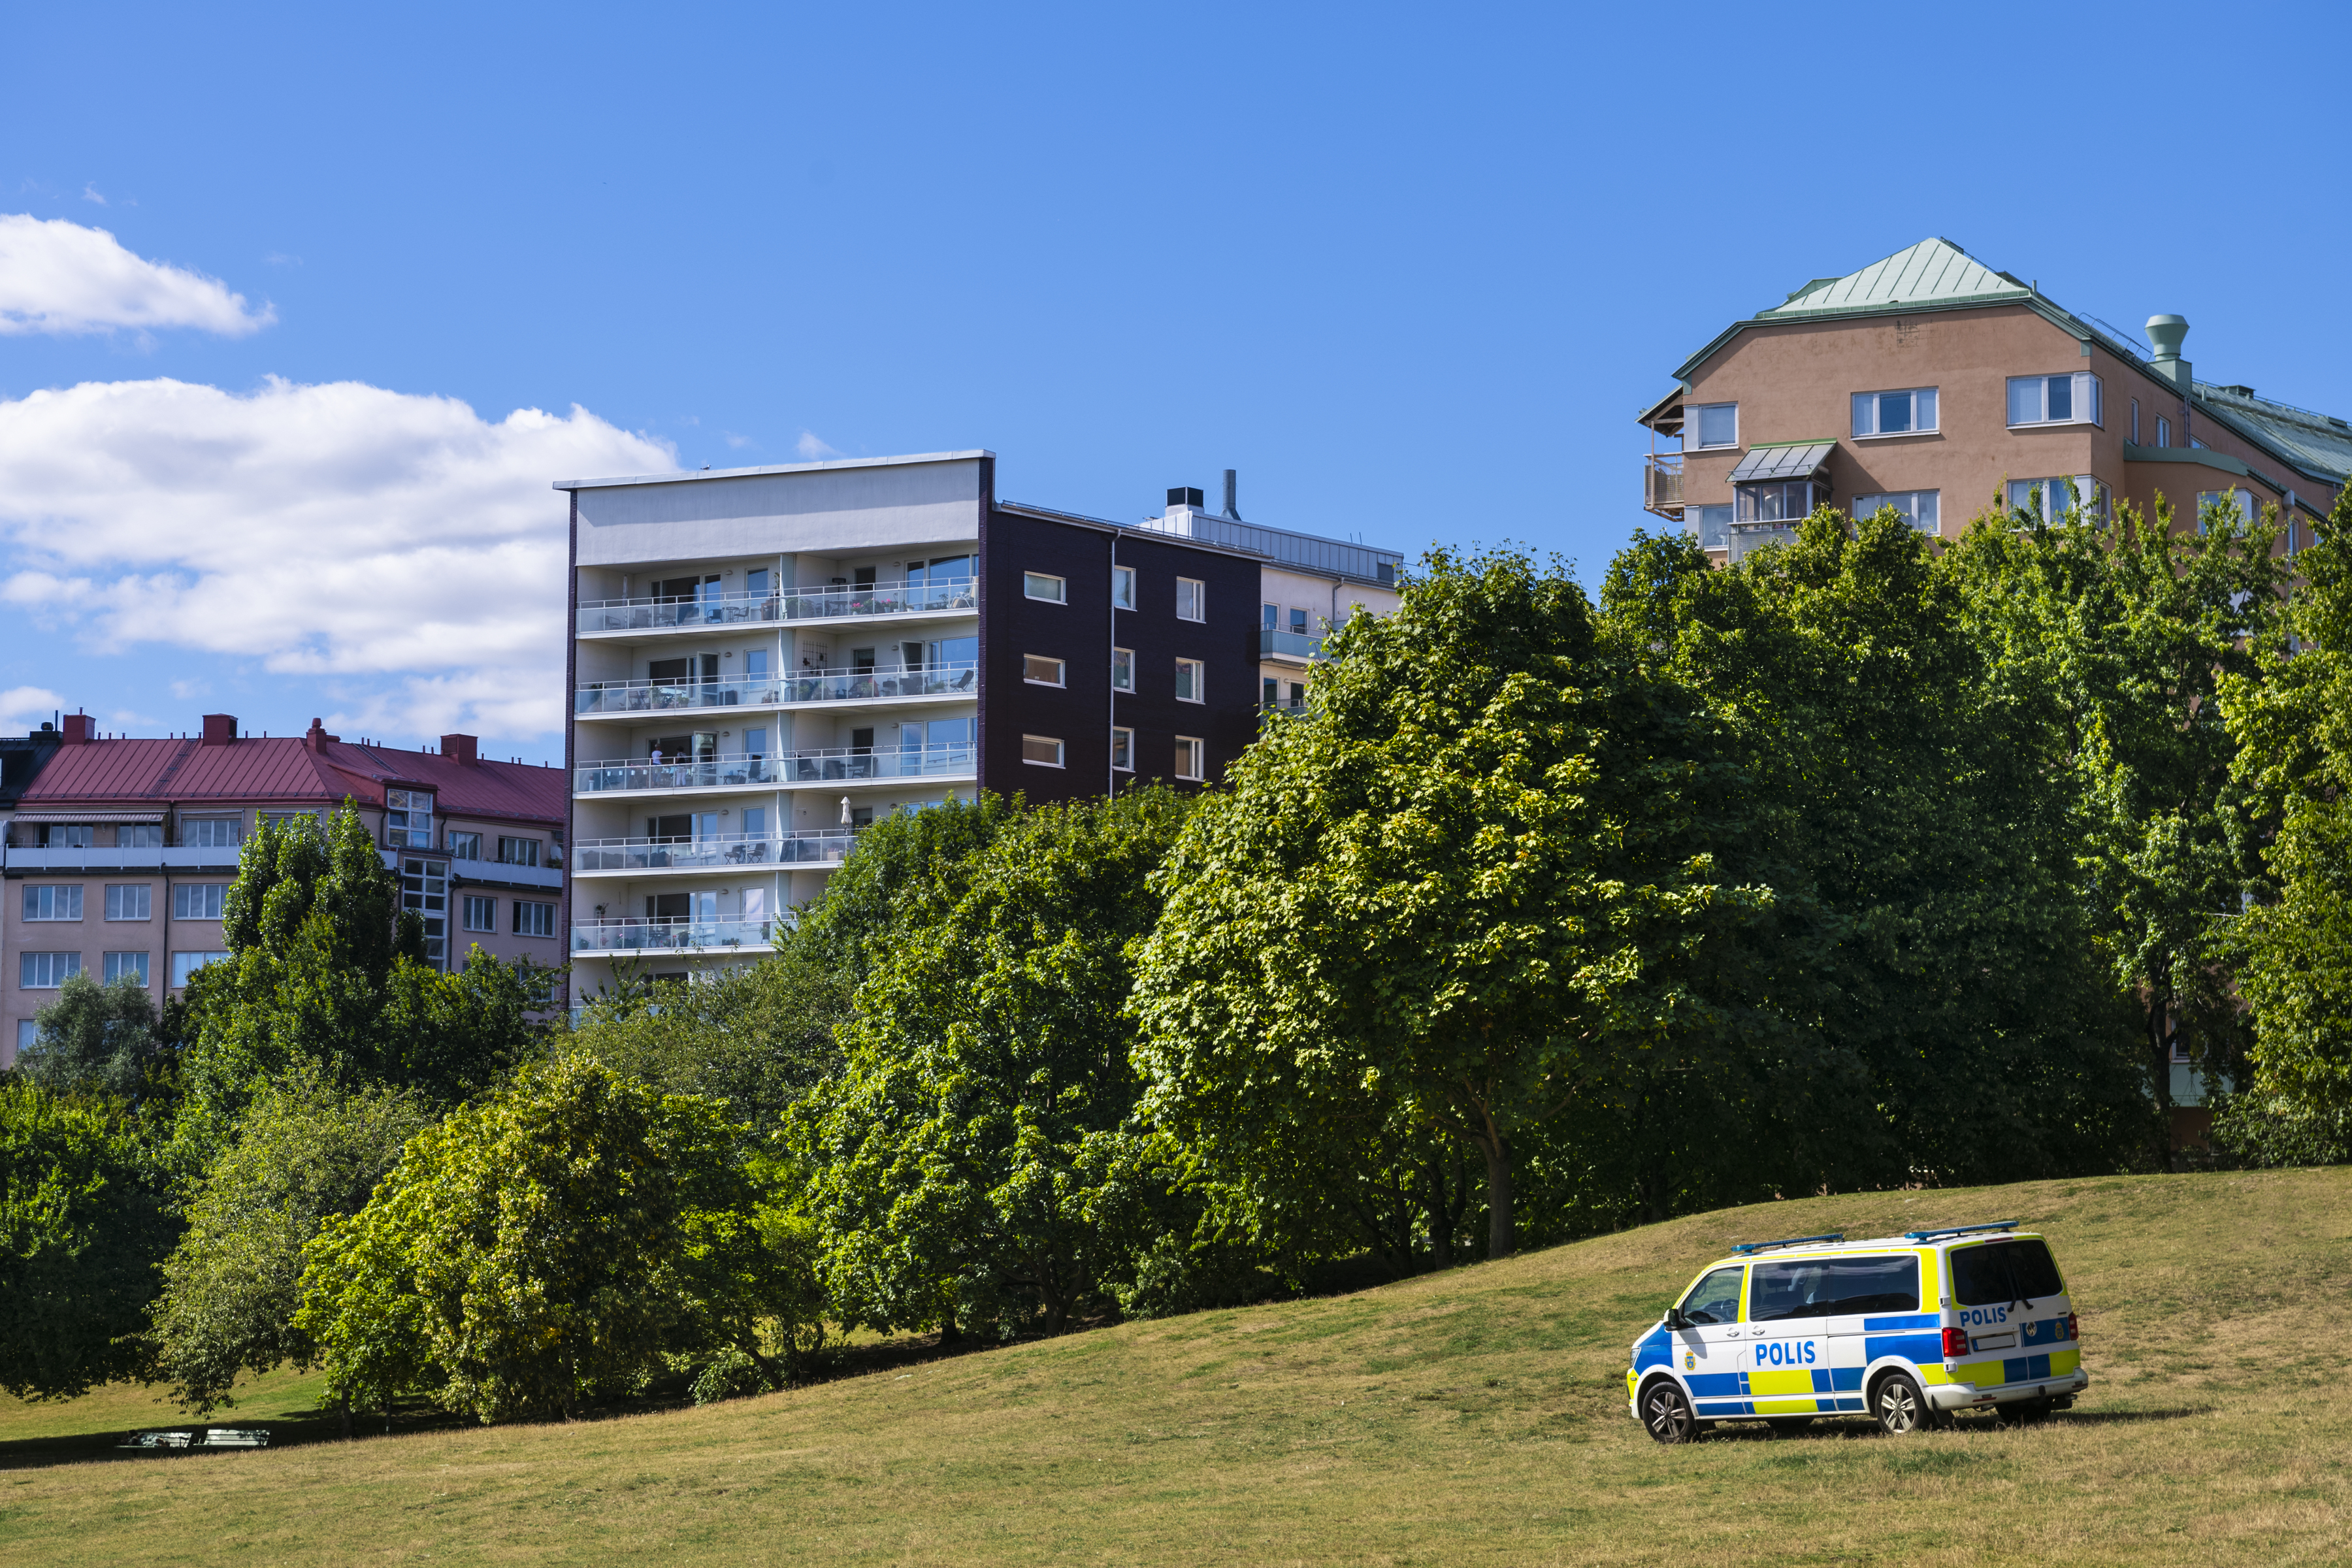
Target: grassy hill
1476, 1416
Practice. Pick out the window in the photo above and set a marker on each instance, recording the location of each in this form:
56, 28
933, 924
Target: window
128, 901
1189, 681
1712, 524
2287, 511
1269, 617
1917, 507
2049, 498
1778, 502
1716, 1298
52, 903
2054, 399
2135, 402
1998, 1273
2163, 431
1190, 758
1038, 586
1895, 412
1192, 599
480, 913
1833, 1287
139, 835
212, 832
1122, 670
519, 851
408, 819
199, 901
1039, 671
533, 919
46, 971
187, 964
28, 1034
118, 964
1299, 619
2248, 510
1122, 587
425, 888
1122, 750
1042, 749
67, 836
465, 845
1269, 691
1719, 423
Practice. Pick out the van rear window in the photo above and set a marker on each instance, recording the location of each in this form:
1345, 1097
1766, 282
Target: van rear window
2002, 1271
1833, 1286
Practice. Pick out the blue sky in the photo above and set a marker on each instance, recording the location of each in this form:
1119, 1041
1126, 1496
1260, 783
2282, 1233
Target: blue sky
1411, 271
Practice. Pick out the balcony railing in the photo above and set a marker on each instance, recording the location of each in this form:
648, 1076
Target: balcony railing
839, 765
633, 935
720, 852
1289, 645
710, 772
1662, 485
947, 680
797, 604
1747, 538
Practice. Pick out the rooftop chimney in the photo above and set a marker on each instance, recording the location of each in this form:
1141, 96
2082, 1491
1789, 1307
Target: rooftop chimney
220, 729
1231, 485
2165, 333
78, 729
461, 749
316, 737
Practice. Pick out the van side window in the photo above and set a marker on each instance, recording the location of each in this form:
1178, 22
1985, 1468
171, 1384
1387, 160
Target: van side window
1716, 1299
1998, 1272
1833, 1286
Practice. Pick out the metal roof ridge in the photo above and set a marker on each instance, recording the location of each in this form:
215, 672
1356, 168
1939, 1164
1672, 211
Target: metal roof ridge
687, 476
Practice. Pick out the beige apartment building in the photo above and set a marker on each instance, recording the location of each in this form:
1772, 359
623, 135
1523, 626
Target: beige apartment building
1931, 384
119, 852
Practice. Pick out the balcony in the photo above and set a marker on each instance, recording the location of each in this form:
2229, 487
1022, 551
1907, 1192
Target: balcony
722, 852
840, 764
25, 861
635, 935
711, 772
607, 699
1662, 485
868, 601
1301, 645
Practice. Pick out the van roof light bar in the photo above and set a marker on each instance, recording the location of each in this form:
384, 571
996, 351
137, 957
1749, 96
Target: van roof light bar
1746, 1247
1960, 1230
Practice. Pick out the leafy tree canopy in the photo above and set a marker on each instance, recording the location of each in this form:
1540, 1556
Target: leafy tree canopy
96, 1039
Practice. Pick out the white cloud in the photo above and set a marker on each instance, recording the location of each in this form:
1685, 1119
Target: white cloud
402, 547
813, 448
25, 708
90, 193
58, 277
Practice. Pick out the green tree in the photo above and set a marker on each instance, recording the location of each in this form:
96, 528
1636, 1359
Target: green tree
2292, 721
559, 1242
910, 858
974, 1162
96, 1039
306, 1151
1470, 885
82, 1223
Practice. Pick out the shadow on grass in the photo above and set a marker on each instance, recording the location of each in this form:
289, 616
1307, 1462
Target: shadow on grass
294, 1430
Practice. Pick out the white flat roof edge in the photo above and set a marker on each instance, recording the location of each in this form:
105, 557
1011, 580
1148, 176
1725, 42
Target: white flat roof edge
684, 475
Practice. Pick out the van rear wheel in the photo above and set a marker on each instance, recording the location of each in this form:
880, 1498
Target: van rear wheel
1666, 1413
1899, 1406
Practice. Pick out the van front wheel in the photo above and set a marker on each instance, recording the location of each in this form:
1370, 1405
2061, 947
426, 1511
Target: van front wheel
1899, 1406
1666, 1413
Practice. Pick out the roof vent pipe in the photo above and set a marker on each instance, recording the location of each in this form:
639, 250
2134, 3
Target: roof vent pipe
1231, 510
2165, 333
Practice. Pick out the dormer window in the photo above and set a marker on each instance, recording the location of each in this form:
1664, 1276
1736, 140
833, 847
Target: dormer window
408, 819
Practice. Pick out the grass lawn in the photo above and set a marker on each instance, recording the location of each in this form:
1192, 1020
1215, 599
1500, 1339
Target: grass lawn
1476, 1416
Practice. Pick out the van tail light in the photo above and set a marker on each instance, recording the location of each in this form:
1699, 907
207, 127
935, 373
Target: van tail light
2074, 1326
1956, 1344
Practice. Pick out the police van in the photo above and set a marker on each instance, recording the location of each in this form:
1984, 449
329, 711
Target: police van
1910, 1330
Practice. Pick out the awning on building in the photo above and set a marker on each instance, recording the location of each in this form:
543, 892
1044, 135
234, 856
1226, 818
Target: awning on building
77, 817
1789, 460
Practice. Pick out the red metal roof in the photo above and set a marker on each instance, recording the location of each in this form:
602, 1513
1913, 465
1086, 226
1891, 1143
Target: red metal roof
286, 772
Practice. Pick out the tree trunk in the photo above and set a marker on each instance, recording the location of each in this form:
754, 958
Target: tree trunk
1440, 1215
2159, 1048
346, 1403
1491, 1143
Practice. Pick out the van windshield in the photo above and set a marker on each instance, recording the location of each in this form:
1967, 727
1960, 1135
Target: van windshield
1998, 1272
1831, 1287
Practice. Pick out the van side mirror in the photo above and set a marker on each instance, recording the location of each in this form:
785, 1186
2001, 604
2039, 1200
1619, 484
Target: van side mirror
1677, 1319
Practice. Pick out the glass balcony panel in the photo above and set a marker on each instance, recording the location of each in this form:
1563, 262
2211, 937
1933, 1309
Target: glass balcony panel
954, 679
797, 604
635, 935
1297, 645
718, 853
840, 764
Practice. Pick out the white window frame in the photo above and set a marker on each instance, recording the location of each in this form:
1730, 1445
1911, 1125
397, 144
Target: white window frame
199, 832
2163, 431
530, 915
1197, 674
1060, 751
184, 894
187, 964
536, 850
1032, 662
51, 897
112, 965
46, 971
1907, 502
1122, 670
462, 844
490, 912
1122, 587
1696, 425
1930, 426
118, 894
1196, 592
2096, 497
2250, 506
1058, 593
1192, 753
1122, 749
2086, 395
1720, 516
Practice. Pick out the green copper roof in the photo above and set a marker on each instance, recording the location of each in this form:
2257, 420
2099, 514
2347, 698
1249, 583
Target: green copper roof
1934, 270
